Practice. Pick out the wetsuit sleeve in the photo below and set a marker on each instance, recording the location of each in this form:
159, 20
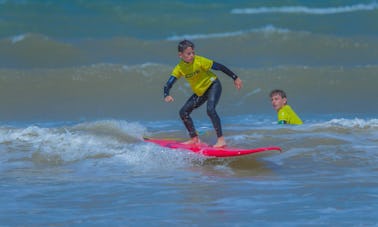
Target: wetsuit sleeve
282, 122
224, 69
168, 85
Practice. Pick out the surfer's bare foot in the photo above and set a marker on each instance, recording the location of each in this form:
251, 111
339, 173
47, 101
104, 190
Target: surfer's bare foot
194, 140
220, 142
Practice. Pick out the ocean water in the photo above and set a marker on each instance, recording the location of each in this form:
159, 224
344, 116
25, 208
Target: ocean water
81, 84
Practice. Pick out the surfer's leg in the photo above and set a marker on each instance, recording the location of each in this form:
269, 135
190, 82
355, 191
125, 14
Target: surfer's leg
214, 94
185, 111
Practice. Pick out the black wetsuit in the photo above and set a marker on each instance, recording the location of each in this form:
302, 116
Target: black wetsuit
211, 95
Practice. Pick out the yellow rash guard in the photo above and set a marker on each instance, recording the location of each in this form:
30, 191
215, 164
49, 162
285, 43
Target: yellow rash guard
197, 74
286, 115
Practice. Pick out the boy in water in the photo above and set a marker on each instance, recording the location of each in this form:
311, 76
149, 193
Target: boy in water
286, 115
205, 86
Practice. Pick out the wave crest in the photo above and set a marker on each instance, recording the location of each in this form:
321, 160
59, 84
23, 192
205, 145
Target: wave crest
266, 30
307, 10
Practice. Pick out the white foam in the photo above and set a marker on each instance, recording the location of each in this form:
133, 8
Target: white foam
116, 141
18, 38
350, 123
114, 127
265, 29
307, 10
144, 65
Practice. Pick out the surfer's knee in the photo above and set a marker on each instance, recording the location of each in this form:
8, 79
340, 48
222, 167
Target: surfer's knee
183, 113
211, 112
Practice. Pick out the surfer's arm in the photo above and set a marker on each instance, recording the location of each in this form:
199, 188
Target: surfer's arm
237, 81
224, 69
168, 87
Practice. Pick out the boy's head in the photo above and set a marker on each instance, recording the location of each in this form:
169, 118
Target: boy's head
278, 98
185, 44
186, 50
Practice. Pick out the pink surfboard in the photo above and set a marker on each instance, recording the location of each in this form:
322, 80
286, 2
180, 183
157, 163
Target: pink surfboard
208, 150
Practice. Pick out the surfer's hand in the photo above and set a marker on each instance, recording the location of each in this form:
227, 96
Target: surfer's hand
169, 99
238, 83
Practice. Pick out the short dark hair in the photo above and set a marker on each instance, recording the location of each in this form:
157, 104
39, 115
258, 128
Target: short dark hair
184, 44
277, 92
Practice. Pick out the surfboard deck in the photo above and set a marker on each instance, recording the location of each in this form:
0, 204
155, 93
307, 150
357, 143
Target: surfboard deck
208, 150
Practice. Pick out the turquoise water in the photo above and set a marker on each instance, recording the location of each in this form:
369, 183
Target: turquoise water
81, 84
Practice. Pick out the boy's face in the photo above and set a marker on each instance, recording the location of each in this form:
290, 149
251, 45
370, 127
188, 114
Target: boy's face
187, 55
278, 102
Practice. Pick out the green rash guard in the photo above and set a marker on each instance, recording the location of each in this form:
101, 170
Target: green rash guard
286, 115
197, 74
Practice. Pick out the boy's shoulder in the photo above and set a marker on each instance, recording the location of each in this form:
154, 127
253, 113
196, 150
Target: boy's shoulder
201, 58
285, 108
